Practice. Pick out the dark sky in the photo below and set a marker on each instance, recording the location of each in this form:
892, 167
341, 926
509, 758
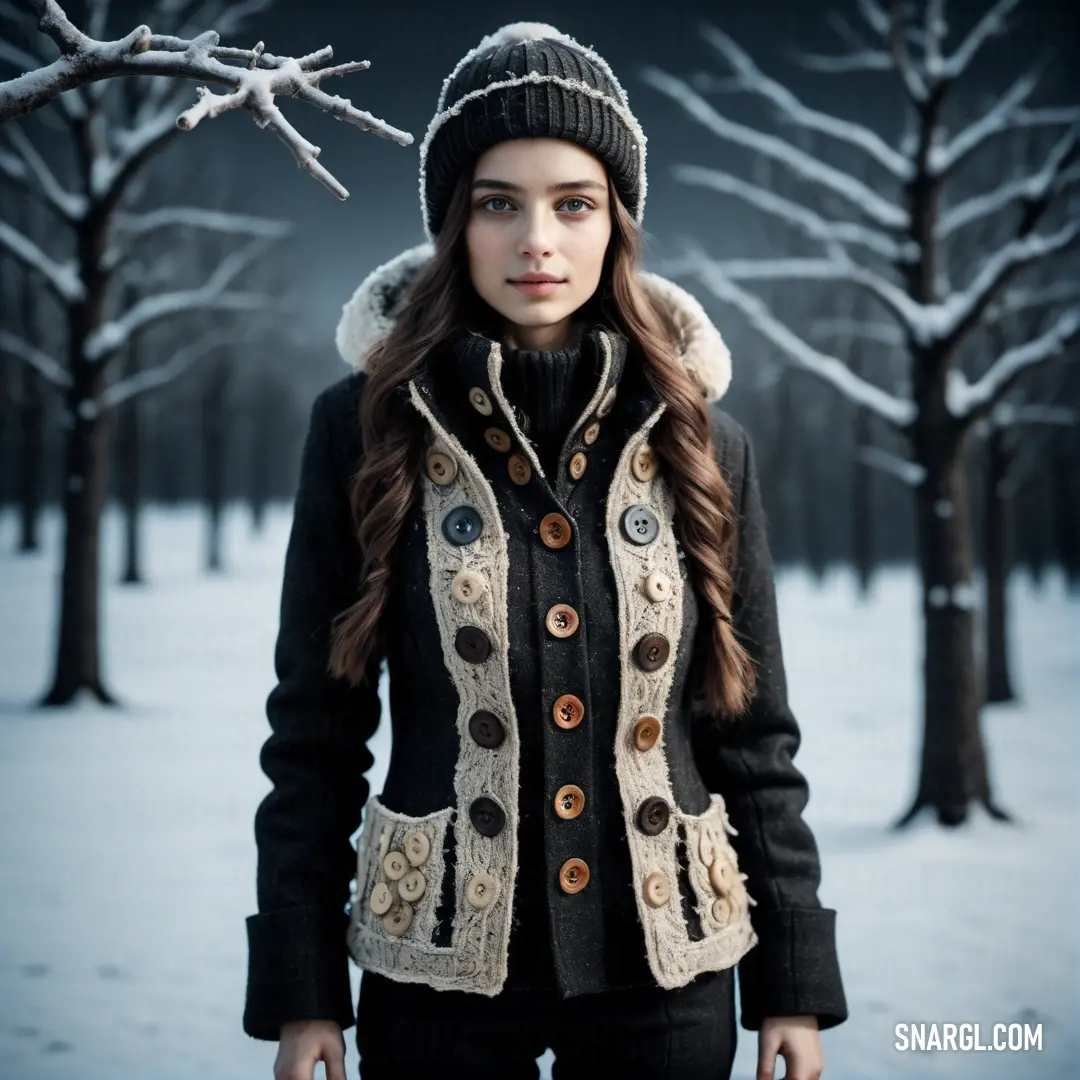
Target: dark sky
413, 45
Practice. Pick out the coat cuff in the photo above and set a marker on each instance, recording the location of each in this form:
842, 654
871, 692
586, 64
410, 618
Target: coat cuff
298, 969
793, 970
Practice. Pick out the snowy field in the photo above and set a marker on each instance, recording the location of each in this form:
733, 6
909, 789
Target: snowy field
129, 862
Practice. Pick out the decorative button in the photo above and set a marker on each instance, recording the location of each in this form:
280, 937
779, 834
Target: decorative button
657, 889
382, 899
472, 644
639, 524
479, 400
555, 530
721, 877
722, 910
467, 587
519, 468
396, 865
590, 433
497, 439
646, 732
573, 875
486, 730
441, 468
487, 816
657, 587
481, 890
644, 464
398, 921
412, 886
568, 711
577, 465
561, 621
653, 816
605, 403
417, 847
706, 846
651, 652
569, 801
462, 525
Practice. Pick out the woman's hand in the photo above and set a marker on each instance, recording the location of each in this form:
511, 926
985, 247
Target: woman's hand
795, 1037
305, 1042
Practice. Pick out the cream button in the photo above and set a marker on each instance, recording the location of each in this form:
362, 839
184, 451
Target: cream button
722, 910
396, 922
481, 890
721, 877
577, 466
382, 898
590, 433
467, 587
441, 468
657, 587
479, 400
417, 847
657, 889
396, 865
644, 464
412, 886
706, 846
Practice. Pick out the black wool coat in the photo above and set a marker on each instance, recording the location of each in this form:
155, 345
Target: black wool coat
555, 815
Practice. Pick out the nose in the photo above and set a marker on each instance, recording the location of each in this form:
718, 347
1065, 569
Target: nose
536, 241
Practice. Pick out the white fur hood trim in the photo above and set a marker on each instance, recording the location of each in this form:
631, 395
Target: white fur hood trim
369, 316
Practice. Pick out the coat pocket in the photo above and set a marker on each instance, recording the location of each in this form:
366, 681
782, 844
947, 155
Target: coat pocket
720, 889
400, 865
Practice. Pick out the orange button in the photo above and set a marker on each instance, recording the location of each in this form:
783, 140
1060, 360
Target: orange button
646, 732
561, 621
568, 711
577, 466
497, 439
519, 468
569, 801
555, 530
574, 876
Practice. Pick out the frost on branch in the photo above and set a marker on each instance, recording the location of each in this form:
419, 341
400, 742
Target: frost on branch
253, 83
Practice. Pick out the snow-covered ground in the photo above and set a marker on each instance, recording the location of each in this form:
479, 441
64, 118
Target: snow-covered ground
128, 863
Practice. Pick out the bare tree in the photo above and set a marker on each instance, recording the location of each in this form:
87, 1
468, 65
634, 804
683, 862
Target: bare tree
893, 249
85, 61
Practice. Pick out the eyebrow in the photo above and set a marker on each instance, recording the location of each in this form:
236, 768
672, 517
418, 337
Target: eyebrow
567, 185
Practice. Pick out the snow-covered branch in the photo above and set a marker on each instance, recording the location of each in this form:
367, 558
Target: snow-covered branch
886, 334
194, 217
113, 335
805, 220
896, 411
36, 176
1006, 415
62, 278
992, 24
881, 210
754, 80
912, 79
908, 472
253, 86
37, 358
845, 63
970, 401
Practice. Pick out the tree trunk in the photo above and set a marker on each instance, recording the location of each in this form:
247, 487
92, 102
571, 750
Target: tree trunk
213, 457
129, 442
862, 508
31, 444
1065, 504
996, 519
953, 763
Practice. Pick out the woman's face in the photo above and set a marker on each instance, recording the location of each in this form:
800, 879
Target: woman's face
537, 206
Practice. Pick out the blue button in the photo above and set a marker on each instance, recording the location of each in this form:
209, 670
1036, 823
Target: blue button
462, 525
640, 524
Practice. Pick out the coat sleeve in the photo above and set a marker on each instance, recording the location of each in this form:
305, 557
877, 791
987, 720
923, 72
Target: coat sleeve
315, 756
793, 969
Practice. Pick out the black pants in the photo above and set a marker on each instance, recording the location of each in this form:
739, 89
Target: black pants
641, 1033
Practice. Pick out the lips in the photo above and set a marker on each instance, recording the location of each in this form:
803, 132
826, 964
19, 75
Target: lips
530, 279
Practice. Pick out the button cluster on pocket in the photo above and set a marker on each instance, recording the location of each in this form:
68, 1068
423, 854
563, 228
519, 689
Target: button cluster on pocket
405, 883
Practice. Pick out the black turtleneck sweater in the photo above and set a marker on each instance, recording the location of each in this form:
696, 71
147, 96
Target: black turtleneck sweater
549, 388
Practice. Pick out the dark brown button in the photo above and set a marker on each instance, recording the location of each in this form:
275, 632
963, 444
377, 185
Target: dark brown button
573, 875
472, 644
577, 465
651, 652
653, 816
517, 465
568, 711
486, 729
487, 816
555, 530
497, 439
569, 801
561, 621
591, 433
646, 732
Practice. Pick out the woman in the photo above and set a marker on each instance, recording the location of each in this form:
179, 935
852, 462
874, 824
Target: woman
527, 500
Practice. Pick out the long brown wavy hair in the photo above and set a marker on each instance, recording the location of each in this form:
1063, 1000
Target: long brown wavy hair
381, 493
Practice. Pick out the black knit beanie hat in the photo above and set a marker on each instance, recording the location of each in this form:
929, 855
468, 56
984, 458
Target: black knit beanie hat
529, 80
